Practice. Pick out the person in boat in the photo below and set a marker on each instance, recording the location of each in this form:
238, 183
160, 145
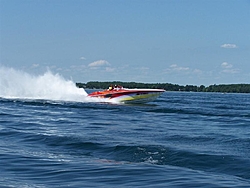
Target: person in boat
111, 87
118, 87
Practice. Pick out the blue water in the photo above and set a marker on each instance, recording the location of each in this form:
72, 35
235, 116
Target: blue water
180, 140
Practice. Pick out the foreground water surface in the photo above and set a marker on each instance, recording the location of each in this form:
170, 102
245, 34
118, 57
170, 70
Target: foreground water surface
180, 140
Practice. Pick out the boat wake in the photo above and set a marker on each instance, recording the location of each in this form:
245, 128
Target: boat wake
48, 86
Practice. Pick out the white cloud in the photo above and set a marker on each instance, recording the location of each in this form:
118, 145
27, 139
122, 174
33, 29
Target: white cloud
226, 65
232, 71
99, 63
228, 68
82, 58
229, 46
175, 67
179, 70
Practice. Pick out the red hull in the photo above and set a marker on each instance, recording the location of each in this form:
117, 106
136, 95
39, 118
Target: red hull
129, 95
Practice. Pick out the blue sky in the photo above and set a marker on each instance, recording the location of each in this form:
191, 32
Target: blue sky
167, 41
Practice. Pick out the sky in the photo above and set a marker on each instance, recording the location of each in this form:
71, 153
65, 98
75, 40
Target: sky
185, 42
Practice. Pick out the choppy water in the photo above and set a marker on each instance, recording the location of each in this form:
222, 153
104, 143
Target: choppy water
180, 140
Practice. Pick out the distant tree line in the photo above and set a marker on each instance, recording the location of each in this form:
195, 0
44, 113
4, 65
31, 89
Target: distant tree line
224, 88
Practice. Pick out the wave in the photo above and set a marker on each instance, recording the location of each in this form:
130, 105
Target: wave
131, 154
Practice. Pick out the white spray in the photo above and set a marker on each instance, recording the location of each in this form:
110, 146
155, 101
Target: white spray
19, 84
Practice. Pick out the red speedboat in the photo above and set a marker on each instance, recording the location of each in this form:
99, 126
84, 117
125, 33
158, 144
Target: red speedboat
120, 94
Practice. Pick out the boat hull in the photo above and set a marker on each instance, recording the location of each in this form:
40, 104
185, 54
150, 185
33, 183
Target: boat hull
129, 95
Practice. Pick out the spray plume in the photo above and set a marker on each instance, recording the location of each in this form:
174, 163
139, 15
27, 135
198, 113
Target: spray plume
19, 84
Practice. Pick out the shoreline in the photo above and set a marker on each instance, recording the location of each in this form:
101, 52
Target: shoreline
221, 88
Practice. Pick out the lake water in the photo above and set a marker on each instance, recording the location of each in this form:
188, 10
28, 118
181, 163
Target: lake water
180, 140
